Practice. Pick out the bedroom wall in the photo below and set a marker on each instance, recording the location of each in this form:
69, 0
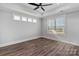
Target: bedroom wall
73, 27
12, 31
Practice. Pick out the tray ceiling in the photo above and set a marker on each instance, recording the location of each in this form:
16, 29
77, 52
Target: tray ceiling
55, 8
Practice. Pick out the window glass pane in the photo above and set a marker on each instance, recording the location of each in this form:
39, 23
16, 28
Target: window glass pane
53, 23
60, 25
60, 21
34, 21
29, 19
24, 19
16, 17
49, 24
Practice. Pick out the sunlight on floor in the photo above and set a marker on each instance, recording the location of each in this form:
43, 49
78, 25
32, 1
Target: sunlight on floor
56, 32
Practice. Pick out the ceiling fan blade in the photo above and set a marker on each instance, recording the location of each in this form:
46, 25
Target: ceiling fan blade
47, 5
42, 8
36, 8
40, 4
33, 4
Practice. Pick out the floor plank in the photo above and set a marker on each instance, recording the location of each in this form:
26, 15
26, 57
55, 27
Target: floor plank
40, 47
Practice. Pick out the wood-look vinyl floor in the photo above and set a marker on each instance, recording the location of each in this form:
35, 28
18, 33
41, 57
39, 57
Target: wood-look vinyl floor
40, 47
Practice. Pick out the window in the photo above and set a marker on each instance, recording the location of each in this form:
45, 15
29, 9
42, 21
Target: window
56, 25
24, 19
16, 17
29, 19
34, 21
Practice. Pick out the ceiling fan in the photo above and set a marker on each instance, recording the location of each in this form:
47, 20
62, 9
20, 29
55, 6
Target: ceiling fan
40, 5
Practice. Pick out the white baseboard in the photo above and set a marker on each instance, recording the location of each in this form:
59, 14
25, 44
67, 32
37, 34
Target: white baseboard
18, 41
76, 44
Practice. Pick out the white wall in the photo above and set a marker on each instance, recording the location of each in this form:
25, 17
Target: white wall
11, 30
71, 28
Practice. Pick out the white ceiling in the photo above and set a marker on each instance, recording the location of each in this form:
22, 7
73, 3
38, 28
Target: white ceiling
55, 8
48, 9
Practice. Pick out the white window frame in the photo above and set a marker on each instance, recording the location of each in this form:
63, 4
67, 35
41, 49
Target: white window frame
34, 20
55, 19
16, 17
30, 20
24, 18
